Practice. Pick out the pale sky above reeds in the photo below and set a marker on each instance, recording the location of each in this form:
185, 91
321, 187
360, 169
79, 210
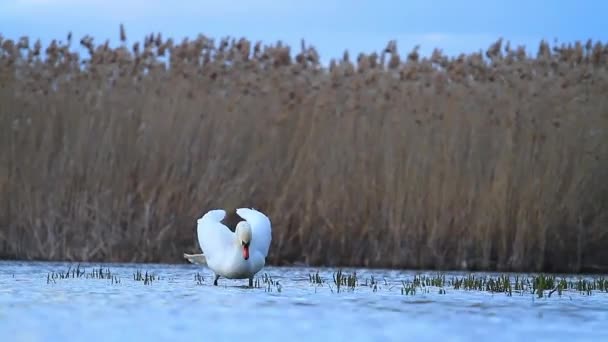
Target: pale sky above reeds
330, 25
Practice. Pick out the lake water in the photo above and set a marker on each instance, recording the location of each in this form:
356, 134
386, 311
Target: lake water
177, 306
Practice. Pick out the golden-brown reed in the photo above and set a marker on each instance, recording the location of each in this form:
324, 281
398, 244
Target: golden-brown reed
493, 160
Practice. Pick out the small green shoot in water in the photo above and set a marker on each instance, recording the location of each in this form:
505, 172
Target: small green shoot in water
267, 279
408, 288
350, 281
198, 278
315, 278
271, 284
146, 278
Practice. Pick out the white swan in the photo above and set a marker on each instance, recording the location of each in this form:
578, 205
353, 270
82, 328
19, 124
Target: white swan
237, 255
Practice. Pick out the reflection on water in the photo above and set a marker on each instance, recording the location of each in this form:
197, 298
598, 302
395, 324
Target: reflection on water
178, 306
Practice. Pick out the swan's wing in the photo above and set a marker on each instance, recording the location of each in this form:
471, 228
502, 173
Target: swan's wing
260, 229
214, 237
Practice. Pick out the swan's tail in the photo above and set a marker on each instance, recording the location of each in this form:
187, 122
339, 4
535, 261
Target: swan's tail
197, 259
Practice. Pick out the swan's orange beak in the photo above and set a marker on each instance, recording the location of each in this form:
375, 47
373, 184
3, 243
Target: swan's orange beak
246, 251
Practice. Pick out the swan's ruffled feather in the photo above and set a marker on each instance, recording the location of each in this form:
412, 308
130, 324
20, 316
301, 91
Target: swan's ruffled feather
214, 237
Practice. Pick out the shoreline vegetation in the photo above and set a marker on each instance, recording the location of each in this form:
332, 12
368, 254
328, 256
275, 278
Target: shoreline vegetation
537, 285
493, 160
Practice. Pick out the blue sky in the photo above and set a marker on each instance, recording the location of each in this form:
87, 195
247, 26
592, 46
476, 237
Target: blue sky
330, 25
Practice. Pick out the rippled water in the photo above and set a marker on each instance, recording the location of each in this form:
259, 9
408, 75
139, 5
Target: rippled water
177, 307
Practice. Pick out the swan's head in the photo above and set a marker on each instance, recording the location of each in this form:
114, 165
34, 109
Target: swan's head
243, 237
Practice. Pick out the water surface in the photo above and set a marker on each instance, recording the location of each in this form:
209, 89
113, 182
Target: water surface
177, 306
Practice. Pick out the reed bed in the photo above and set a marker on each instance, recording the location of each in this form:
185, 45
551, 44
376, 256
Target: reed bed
492, 160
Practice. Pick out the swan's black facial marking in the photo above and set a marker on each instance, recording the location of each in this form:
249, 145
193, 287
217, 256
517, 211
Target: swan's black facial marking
245, 250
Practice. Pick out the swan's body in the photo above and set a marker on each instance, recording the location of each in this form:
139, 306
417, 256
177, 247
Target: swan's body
238, 255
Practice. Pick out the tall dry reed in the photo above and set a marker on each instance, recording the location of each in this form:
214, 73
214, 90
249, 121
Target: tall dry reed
485, 161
